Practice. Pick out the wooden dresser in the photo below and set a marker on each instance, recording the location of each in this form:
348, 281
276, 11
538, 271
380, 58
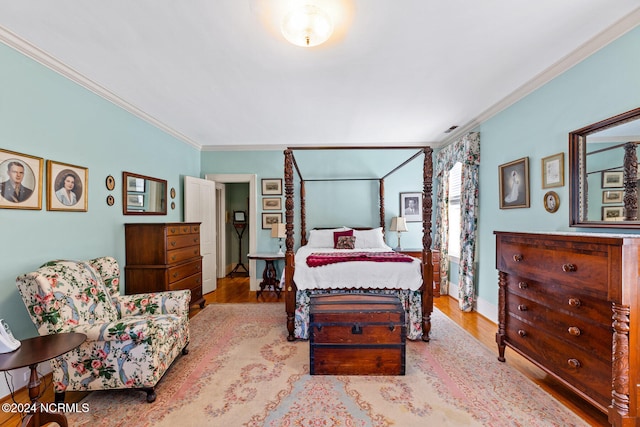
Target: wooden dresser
163, 257
568, 302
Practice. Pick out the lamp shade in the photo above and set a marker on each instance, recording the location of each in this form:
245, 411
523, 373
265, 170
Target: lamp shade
398, 224
307, 26
279, 230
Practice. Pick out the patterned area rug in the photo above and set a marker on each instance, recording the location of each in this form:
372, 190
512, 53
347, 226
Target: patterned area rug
241, 371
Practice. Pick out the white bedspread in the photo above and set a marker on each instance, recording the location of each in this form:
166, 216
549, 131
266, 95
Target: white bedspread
356, 274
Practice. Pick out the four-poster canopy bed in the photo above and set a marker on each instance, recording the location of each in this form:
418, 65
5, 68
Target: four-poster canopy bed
417, 296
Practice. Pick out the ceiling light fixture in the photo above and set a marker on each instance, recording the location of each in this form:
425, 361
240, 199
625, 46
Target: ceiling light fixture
307, 27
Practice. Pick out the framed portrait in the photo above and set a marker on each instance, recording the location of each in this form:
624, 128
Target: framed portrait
553, 171
67, 187
271, 204
272, 186
514, 184
411, 206
612, 179
612, 213
612, 196
269, 219
551, 201
20, 180
135, 184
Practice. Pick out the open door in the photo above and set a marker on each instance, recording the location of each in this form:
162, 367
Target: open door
200, 206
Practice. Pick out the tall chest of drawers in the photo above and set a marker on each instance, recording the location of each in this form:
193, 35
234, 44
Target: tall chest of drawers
163, 257
569, 303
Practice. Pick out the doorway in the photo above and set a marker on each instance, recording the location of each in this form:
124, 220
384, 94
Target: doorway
251, 179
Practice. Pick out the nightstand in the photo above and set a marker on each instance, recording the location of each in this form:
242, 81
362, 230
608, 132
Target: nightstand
435, 261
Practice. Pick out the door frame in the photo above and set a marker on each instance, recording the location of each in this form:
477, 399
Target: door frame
252, 180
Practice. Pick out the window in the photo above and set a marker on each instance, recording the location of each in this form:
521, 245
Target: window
455, 178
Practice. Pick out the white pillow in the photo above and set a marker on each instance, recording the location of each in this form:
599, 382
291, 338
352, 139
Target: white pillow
370, 239
322, 238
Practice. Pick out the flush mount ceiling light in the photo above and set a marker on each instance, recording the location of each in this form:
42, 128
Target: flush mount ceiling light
307, 26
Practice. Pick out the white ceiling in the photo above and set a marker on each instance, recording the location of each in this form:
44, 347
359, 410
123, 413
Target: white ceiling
218, 73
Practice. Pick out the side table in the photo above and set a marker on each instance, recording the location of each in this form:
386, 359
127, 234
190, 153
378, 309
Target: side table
435, 261
31, 352
270, 274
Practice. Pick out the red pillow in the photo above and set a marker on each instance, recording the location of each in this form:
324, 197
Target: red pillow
337, 234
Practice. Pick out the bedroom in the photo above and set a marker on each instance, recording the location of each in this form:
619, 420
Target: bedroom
47, 115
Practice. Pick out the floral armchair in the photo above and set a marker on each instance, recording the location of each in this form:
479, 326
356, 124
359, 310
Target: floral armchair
131, 339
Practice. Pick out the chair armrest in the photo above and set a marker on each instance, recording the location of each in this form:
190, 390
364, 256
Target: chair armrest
170, 302
127, 329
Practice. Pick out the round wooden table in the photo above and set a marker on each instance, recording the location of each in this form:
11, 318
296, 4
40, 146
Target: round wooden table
37, 350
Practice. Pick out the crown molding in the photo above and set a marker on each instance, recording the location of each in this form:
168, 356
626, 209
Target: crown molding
587, 49
14, 41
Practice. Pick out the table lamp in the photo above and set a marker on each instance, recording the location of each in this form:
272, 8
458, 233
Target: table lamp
399, 225
279, 230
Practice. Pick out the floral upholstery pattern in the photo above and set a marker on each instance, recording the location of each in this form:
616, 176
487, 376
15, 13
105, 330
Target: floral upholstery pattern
131, 339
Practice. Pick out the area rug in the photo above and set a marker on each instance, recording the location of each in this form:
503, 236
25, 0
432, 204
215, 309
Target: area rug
241, 371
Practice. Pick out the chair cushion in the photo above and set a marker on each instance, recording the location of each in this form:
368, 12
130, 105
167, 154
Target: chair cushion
109, 270
62, 294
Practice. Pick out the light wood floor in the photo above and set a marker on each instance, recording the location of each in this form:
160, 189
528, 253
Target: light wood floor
236, 290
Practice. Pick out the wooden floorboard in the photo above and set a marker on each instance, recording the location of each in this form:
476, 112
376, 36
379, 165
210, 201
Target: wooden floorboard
236, 290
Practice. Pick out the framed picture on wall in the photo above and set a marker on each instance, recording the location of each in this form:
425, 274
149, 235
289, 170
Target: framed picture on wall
271, 204
20, 180
612, 196
612, 179
269, 219
514, 184
411, 206
67, 187
553, 171
612, 213
272, 186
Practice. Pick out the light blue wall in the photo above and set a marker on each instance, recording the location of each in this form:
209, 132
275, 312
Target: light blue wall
603, 85
45, 115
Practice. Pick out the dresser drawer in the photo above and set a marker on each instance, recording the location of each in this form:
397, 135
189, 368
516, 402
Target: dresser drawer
181, 271
572, 267
181, 241
575, 330
177, 229
190, 282
571, 300
183, 254
584, 372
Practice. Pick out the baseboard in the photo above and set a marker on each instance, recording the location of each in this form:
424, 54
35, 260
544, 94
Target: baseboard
482, 306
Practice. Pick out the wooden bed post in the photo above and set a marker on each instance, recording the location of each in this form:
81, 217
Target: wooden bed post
289, 286
427, 264
303, 214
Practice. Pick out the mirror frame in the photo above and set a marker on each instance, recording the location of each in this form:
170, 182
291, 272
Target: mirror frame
576, 140
125, 210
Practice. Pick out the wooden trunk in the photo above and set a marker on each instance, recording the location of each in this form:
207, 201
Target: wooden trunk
357, 334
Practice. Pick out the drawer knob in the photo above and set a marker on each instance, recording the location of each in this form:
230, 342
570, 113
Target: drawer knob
574, 363
523, 285
173, 243
517, 258
575, 331
175, 275
522, 307
173, 230
195, 240
574, 302
522, 332
173, 258
568, 268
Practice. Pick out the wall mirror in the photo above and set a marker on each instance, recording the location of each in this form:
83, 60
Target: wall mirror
603, 171
143, 195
